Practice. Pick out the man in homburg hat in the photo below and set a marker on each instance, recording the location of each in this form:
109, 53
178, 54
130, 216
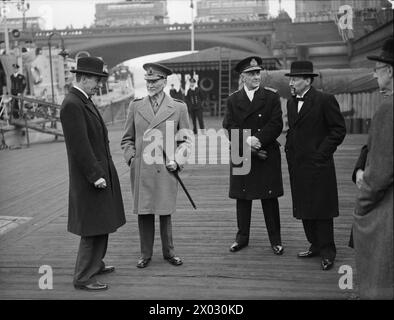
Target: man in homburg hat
316, 129
18, 86
373, 215
156, 142
95, 199
255, 113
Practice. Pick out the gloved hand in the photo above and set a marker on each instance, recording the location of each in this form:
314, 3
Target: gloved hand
172, 166
261, 154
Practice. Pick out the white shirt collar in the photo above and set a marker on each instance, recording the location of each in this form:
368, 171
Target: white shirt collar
84, 93
250, 93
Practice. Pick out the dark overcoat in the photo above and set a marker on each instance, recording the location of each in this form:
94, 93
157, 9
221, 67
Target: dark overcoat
91, 211
263, 117
313, 136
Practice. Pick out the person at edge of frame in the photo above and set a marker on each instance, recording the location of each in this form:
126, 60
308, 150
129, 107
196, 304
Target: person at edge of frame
373, 214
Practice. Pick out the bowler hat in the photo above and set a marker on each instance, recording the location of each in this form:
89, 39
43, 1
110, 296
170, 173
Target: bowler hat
301, 68
386, 55
249, 64
156, 71
91, 65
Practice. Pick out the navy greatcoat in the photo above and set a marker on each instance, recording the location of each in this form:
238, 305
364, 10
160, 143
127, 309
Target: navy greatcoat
263, 116
313, 136
91, 211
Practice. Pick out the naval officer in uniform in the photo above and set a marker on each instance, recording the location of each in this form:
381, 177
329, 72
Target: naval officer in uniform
258, 110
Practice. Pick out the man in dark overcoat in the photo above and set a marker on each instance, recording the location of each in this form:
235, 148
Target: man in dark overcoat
95, 199
255, 113
316, 129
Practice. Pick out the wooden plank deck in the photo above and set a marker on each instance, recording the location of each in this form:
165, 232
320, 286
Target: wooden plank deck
34, 184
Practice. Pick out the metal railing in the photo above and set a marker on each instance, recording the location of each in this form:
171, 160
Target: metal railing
207, 27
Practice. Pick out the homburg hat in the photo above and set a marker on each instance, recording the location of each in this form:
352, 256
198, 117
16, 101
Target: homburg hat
301, 68
92, 66
386, 56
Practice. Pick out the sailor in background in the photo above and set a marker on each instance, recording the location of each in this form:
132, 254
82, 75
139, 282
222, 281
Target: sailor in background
18, 85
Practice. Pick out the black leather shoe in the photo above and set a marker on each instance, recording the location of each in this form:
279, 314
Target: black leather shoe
107, 269
327, 264
142, 263
307, 254
236, 247
277, 249
176, 261
96, 286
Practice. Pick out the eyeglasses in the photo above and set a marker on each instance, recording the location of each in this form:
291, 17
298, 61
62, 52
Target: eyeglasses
381, 67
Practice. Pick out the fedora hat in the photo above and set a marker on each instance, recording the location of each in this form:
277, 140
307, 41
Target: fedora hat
156, 71
91, 65
249, 64
301, 68
386, 56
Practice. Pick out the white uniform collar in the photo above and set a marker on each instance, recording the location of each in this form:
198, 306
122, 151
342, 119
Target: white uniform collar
250, 93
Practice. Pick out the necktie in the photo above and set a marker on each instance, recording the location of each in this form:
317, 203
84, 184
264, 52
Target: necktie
300, 99
155, 106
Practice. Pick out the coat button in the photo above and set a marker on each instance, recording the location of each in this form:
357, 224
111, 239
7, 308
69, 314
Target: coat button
258, 130
158, 171
269, 191
243, 190
260, 115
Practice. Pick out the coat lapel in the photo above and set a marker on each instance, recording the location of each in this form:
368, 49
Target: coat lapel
167, 108
145, 110
308, 104
89, 105
292, 111
257, 102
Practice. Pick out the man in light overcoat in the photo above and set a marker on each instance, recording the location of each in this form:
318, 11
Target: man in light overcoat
156, 123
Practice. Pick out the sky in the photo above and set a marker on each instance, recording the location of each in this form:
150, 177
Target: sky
79, 13
60, 14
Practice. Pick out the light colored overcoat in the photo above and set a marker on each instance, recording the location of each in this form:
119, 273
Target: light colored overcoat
373, 216
153, 187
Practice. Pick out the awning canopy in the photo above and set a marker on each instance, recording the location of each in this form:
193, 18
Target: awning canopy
209, 59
